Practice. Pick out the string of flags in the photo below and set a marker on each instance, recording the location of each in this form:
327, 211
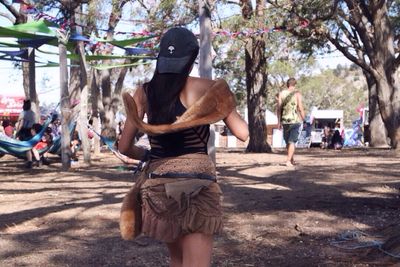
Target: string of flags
64, 23
43, 31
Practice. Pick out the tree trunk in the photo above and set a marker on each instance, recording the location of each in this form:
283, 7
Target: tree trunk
83, 118
256, 94
205, 64
106, 114
29, 72
95, 95
110, 103
119, 85
376, 128
384, 61
29, 82
389, 105
32, 83
65, 109
256, 81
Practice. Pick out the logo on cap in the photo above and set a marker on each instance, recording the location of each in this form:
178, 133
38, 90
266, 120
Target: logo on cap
171, 49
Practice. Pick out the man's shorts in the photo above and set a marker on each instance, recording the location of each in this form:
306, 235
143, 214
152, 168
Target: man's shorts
291, 132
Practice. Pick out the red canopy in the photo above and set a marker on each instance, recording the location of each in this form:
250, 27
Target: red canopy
11, 106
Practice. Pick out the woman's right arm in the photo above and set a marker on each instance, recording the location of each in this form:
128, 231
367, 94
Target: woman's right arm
125, 144
237, 125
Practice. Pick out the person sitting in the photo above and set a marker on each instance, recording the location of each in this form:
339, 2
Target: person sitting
75, 145
44, 143
337, 140
326, 137
55, 126
8, 128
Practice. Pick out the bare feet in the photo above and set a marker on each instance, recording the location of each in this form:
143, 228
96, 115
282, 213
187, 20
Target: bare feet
289, 164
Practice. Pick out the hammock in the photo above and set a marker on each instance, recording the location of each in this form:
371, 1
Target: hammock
108, 141
19, 148
55, 147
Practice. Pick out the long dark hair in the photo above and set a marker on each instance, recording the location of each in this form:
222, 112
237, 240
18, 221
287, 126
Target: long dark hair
26, 105
163, 92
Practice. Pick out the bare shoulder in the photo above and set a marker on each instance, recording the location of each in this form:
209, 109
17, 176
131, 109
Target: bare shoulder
199, 85
195, 88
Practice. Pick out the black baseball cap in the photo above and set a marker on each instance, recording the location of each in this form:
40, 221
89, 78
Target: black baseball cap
178, 47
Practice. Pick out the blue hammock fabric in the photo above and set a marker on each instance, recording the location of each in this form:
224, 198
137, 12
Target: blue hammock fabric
55, 147
19, 148
109, 142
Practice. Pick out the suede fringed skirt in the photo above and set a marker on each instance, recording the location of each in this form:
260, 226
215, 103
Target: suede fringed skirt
180, 196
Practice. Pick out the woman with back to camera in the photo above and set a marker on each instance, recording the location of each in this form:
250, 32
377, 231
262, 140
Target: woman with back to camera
180, 198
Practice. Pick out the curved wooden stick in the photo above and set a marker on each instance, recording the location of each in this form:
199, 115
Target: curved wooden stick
215, 105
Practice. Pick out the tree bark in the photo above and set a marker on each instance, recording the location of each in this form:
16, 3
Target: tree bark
256, 94
65, 109
83, 92
106, 113
256, 82
205, 63
110, 103
376, 128
389, 106
95, 95
83, 115
29, 72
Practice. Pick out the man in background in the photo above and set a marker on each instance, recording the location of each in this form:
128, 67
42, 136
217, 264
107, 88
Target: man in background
291, 115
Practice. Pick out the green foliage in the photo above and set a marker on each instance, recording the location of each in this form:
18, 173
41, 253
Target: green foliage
282, 52
167, 13
230, 65
281, 70
394, 11
333, 90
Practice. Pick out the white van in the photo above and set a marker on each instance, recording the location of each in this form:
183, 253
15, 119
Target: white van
320, 118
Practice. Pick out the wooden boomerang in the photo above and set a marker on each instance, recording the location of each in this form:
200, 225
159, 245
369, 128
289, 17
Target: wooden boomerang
215, 105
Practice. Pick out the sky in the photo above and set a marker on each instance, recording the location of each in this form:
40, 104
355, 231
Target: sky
47, 79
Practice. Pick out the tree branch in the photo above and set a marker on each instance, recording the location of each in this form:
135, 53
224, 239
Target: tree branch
360, 26
247, 9
366, 10
8, 16
233, 3
350, 36
11, 9
346, 53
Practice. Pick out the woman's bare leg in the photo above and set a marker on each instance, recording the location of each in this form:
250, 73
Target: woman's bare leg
175, 252
197, 250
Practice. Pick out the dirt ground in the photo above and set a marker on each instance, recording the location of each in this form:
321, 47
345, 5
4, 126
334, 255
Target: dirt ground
332, 209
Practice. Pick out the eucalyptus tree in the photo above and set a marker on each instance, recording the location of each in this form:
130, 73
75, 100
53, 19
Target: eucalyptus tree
246, 53
254, 49
16, 15
368, 34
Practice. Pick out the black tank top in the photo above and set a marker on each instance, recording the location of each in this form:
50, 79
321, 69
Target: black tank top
192, 140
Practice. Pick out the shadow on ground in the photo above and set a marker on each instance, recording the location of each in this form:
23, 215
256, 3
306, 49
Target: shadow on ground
274, 216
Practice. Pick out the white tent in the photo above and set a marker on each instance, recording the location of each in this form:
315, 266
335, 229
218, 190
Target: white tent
270, 118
